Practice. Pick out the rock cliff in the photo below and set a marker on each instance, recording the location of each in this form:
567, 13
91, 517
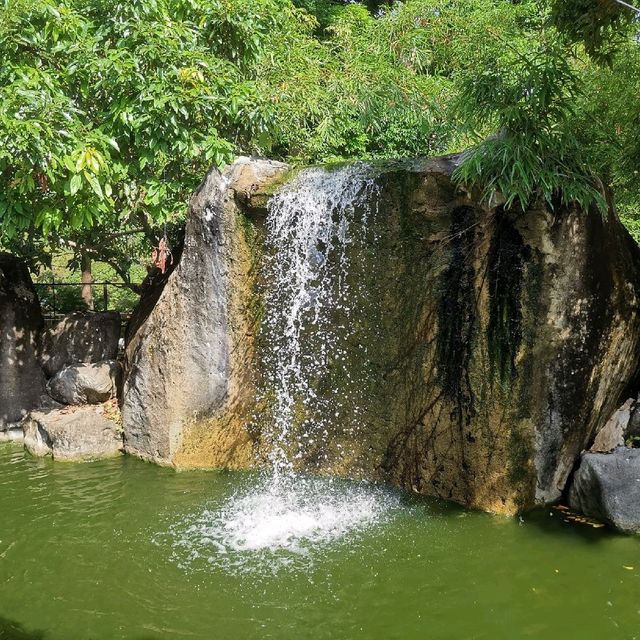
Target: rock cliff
491, 347
21, 377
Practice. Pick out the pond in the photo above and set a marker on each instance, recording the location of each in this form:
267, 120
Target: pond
124, 549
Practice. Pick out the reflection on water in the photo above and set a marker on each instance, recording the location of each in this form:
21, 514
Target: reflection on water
94, 551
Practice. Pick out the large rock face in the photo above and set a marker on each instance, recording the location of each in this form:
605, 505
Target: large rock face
606, 486
178, 358
21, 377
489, 349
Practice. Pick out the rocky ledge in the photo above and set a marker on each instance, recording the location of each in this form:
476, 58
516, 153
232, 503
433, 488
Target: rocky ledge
73, 434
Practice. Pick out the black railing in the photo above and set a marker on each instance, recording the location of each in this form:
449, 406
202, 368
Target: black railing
54, 305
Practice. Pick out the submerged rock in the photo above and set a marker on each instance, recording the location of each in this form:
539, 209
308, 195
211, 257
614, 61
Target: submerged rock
81, 337
477, 351
21, 377
86, 383
82, 434
606, 486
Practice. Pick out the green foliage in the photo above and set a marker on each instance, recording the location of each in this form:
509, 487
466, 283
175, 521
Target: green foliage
69, 298
633, 442
598, 25
528, 97
112, 111
353, 89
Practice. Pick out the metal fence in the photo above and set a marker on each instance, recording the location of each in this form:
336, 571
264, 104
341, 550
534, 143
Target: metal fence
55, 304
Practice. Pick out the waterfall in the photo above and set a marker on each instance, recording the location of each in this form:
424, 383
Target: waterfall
315, 226
317, 231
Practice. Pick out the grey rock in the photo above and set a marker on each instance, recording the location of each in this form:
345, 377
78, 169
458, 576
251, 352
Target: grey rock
606, 486
81, 337
507, 339
176, 362
21, 377
615, 431
85, 383
252, 181
81, 434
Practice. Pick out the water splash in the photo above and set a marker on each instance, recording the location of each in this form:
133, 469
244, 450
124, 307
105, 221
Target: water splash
317, 228
281, 525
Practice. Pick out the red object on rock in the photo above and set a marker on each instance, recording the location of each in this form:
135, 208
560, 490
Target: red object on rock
162, 255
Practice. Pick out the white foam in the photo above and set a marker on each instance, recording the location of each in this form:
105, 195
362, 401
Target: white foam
281, 523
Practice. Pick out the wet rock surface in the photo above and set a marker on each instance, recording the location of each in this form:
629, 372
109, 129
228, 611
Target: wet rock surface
21, 377
81, 337
606, 486
80, 434
85, 384
491, 348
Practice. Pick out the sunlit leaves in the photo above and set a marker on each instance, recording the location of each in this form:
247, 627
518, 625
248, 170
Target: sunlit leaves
103, 98
527, 96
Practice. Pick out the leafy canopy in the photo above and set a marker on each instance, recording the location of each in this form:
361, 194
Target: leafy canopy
113, 111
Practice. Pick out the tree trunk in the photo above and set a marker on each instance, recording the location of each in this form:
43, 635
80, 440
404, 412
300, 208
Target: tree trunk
87, 280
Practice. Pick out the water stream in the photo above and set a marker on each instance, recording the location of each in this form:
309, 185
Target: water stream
317, 226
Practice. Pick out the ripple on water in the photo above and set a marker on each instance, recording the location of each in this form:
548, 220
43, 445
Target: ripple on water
278, 524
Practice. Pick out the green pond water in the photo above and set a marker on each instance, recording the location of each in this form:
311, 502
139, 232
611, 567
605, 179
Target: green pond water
123, 549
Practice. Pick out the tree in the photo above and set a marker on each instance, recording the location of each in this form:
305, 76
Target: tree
539, 98
113, 111
600, 25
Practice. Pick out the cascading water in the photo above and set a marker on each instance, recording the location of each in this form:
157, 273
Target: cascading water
317, 227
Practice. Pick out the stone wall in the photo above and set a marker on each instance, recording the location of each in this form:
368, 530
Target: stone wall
21, 377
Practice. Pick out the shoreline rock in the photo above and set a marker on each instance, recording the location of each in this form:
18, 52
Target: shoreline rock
606, 486
82, 434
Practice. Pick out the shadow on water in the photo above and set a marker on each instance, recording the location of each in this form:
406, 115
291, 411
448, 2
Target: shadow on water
10, 630
552, 523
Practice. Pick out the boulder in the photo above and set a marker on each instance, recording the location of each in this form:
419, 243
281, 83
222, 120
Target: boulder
81, 337
80, 434
85, 383
177, 360
509, 337
21, 377
253, 181
188, 358
606, 486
